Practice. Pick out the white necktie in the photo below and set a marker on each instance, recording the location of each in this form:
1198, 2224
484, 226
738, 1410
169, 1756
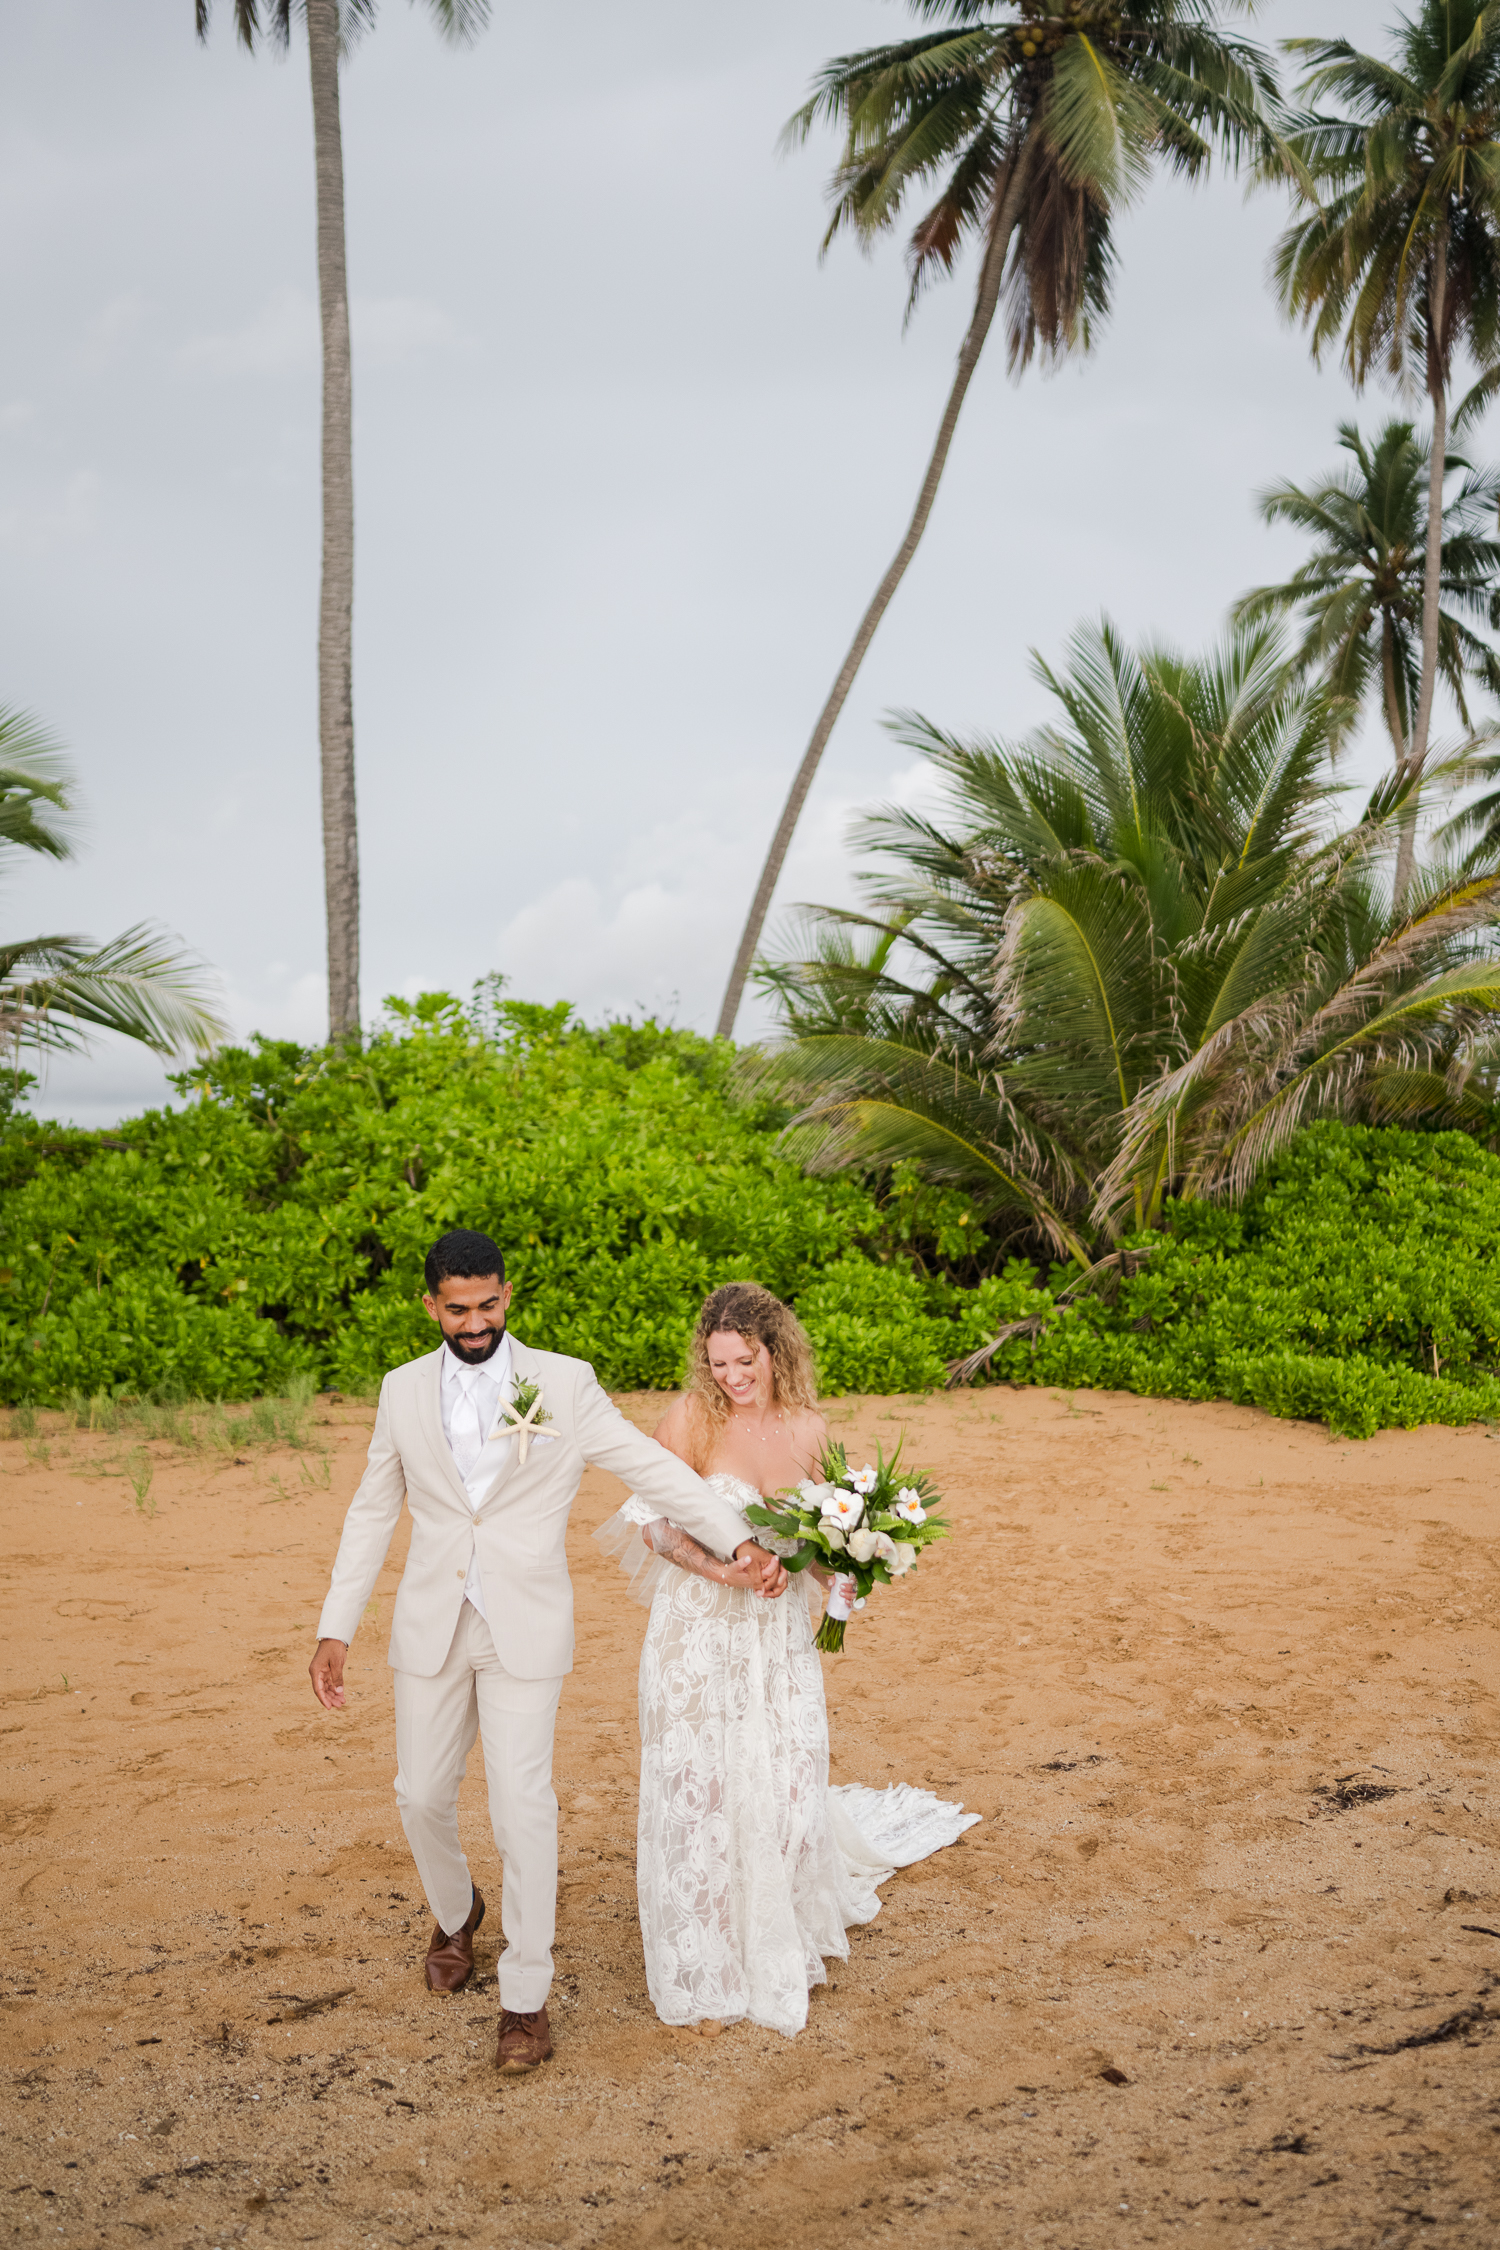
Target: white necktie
468, 1420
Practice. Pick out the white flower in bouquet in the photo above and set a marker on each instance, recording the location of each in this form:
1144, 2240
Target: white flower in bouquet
845, 1508
900, 1559
833, 1532
885, 1548
908, 1505
816, 1495
865, 1545
865, 1479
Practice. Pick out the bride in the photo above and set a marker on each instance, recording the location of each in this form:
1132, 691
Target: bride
749, 1867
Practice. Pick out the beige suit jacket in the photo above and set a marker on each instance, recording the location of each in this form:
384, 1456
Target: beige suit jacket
519, 1529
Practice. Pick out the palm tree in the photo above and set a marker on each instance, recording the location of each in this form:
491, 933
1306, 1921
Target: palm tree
1042, 119
1398, 250
1132, 961
1359, 593
55, 990
331, 26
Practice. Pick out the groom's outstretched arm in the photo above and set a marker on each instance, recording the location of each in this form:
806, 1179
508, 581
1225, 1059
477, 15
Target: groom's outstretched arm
373, 1515
610, 1442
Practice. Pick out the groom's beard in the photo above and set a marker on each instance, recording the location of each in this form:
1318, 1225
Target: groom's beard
472, 1350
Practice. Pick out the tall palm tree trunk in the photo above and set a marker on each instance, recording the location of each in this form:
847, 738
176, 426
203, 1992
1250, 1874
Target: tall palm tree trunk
986, 299
1388, 680
336, 605
1432, 584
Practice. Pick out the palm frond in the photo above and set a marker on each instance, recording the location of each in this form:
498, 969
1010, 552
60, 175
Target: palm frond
1127, 957
54, 991
1100, 123
36, 787
460, 21
973, 102
1359, 594
246, 20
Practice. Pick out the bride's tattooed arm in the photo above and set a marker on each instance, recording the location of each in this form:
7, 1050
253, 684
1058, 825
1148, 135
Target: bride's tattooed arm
664, 1538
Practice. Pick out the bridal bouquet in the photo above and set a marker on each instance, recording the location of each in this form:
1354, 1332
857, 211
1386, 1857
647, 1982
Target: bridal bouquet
870, 1523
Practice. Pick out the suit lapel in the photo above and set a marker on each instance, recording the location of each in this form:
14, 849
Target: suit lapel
430, 1414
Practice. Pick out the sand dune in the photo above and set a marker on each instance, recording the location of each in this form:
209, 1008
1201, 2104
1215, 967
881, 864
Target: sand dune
1221, 1962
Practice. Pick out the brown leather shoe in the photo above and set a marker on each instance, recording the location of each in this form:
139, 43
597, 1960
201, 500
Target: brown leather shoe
450, 1960
525, 2041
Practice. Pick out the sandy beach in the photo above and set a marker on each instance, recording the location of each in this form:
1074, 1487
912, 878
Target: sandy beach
1221, 1962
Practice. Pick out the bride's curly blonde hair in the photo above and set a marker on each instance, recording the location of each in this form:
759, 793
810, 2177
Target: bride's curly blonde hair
743, 1308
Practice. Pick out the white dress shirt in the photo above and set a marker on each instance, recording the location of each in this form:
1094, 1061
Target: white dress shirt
471, 1405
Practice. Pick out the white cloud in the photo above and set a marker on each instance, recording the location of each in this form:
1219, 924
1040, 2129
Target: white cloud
72, 514
661, 937
280, 1003
282, 336
280, 339
17, 413
390, 330
575, 941
112, 328
115, 1079
613, 534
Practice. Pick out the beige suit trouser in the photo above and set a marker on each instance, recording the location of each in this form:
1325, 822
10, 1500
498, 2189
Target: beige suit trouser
437, 1720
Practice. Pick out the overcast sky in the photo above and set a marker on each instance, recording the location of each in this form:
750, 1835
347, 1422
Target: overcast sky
628, 462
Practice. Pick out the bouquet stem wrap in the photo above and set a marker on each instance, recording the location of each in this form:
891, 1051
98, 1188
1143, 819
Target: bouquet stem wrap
830, 1634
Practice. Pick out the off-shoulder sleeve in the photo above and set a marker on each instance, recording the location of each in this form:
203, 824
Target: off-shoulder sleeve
621, 1540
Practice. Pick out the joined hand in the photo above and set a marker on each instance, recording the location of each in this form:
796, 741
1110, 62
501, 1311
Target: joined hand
768, 1579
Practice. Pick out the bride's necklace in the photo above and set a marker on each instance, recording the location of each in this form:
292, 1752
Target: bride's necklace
763, 1435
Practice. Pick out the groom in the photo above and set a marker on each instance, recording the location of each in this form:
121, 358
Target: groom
482, 1635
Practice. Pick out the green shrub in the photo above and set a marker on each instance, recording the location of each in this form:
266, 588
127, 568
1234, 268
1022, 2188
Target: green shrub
871, 1329
276, 1223
269, 1234
1359, 1285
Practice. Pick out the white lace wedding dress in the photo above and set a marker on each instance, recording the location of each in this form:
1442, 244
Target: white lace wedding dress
749, 1866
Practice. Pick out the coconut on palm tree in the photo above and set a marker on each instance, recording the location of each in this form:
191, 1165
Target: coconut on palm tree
331, 25
1039, 121
1359, 594
1131, 959
1397, 251
55, 991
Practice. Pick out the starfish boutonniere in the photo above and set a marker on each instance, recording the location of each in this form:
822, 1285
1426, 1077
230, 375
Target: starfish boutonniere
525, 1415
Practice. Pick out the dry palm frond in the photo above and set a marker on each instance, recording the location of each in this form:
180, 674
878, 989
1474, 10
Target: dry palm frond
1309, 1049
1118, 1263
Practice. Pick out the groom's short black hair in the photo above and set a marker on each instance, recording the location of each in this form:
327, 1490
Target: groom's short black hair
462, 1255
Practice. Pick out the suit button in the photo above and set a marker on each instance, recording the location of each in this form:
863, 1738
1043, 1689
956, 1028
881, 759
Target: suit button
460, 1574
